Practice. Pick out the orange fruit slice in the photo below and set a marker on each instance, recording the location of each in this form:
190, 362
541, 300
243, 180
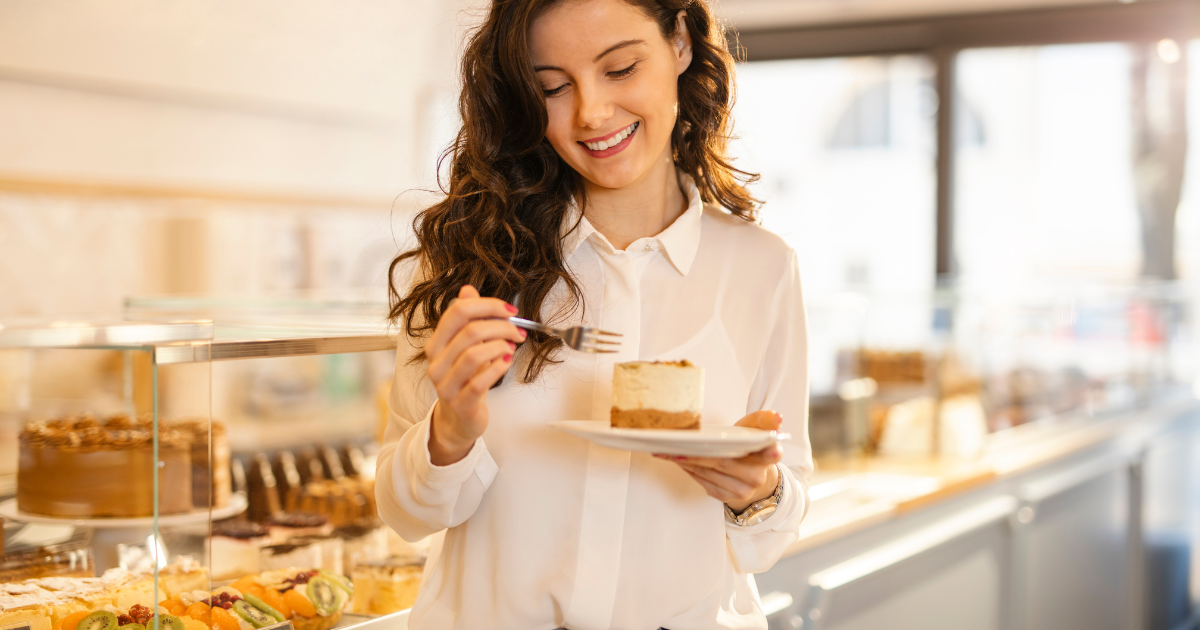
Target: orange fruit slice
275, 600
70, 621
197, 611
223, 620
174, 606
299, 603
245, 583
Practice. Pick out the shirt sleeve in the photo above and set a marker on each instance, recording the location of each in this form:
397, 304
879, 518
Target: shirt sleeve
781, 385
415, 497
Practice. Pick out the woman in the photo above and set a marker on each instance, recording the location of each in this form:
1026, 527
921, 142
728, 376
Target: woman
590, 185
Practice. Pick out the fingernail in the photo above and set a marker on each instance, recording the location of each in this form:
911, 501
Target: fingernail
511, 309
522, 333
507, 358
511, 345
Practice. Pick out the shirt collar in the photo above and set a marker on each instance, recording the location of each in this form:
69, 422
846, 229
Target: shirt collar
679, 241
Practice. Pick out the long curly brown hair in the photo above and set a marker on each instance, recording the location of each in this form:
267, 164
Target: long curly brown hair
500, 225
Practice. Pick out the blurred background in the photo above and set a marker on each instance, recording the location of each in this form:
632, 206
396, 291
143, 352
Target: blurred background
994, 202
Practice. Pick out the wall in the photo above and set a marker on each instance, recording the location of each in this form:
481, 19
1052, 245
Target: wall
220, 146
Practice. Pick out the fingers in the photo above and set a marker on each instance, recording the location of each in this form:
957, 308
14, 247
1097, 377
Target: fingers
742, 467
713, 490
730, 489
468, 307
474, 390
469, 364
766, 420
473, 334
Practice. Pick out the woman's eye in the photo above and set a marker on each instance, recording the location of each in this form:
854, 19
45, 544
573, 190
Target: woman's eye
619, 74
554, 91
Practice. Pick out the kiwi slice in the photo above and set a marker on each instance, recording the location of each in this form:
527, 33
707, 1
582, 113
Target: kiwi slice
325, 595
167, 622
252, 615
133, 626
340, 580
264, 606
99, 620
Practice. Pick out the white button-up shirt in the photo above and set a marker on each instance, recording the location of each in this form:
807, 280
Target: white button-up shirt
540, 529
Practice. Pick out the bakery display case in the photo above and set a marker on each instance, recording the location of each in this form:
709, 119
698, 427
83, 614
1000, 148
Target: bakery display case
221, 474
935, 374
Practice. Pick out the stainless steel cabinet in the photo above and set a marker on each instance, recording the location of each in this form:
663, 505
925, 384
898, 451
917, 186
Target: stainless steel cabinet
949, 575
1074, 546
1105, 538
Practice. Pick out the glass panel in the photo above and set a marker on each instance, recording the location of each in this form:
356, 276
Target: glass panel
109, 460
847, 156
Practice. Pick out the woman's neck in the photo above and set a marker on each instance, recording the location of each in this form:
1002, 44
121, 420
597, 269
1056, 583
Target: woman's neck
644, 208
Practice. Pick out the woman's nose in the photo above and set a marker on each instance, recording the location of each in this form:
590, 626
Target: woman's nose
594, 107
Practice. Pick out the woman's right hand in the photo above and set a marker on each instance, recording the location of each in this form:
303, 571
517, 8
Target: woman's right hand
470, 349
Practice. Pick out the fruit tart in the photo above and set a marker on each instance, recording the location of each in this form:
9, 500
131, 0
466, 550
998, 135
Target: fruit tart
311, 599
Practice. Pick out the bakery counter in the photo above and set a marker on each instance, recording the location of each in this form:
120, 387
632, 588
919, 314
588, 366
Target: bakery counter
1066, 514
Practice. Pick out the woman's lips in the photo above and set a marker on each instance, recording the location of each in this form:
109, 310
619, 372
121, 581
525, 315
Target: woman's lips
617, 148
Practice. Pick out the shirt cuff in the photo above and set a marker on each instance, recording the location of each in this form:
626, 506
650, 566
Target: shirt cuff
478, 461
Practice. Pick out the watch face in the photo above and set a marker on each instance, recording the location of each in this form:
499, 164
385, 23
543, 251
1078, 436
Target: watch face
760, 516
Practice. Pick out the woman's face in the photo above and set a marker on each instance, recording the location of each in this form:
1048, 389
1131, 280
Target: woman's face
609, 78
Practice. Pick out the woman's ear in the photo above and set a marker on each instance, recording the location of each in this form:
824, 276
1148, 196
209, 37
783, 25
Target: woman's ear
682, 42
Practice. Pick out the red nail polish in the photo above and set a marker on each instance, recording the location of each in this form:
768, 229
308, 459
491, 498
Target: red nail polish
511, 345
507, 358
511, 309
522, 333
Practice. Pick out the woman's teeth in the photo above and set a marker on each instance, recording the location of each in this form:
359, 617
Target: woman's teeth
613, 141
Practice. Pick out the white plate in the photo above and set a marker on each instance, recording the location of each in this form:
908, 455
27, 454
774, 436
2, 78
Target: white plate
237, 505
709, 441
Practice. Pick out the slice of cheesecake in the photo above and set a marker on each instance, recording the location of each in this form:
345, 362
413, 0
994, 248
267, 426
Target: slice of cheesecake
657, 395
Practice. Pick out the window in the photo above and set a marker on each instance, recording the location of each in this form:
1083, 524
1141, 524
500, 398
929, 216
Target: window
1048, 196
846, 151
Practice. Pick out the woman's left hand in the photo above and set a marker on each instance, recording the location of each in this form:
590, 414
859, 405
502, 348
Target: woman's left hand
741, 481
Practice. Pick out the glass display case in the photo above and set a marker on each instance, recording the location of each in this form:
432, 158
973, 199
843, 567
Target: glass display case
220, 474
937, 373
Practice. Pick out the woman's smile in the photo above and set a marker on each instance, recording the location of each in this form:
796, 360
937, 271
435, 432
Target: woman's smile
612, 144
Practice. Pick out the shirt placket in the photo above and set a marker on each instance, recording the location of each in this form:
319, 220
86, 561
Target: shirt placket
606, 482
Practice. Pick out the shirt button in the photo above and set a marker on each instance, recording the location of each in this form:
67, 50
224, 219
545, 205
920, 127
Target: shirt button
649, 247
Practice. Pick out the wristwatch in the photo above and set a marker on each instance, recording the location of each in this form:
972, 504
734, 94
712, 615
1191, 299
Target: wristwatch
758, 511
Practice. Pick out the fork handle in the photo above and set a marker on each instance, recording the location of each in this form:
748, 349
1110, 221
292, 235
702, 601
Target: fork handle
532, 325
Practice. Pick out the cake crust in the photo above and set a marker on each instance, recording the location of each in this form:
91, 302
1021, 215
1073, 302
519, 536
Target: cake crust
654, 419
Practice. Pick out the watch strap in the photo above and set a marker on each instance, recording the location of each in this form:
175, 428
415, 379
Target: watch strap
758, 507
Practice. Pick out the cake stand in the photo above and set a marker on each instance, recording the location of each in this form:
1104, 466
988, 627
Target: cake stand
110, 536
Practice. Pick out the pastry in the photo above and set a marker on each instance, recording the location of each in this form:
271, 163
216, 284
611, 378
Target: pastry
291, 554
69, 558
209, 482
387, 586
363, 541
311, 599
235, 548
78, 467
50, 603
658, 395
287, 525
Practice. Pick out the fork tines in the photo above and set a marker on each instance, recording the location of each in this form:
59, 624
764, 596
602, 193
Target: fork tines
594, 340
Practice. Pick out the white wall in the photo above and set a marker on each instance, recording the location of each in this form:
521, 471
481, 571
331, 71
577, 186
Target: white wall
311, 95
331, 111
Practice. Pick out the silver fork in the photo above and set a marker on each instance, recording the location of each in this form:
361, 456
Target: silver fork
581, 338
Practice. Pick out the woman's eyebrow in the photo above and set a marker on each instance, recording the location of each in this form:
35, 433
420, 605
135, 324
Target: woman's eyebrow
617, 46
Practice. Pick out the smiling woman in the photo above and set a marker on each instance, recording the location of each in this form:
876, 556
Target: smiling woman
590, 185
517, 161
